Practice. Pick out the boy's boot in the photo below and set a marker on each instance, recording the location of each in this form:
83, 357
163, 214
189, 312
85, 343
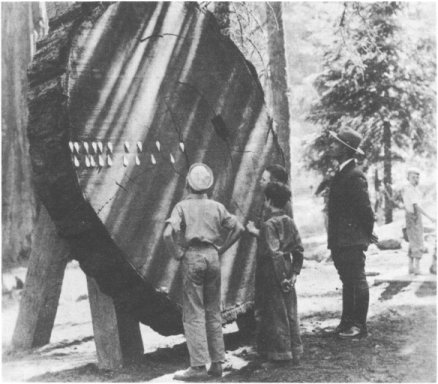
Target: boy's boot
417, 266
215, 369
411, 265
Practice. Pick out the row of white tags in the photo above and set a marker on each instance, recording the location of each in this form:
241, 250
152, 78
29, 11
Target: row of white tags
92, 161
95, 158
97, 147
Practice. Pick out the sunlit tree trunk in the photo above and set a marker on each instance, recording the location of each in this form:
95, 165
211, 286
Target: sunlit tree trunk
278, 84
23, 24
18, 202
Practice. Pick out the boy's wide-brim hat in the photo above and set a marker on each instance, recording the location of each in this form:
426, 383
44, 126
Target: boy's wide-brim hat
349, 138
200, 177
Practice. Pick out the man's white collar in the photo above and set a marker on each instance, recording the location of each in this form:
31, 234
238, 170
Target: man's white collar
342, 166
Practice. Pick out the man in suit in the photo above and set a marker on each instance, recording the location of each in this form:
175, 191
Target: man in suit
350, 228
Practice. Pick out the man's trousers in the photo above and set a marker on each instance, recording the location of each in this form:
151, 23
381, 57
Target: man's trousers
350, 264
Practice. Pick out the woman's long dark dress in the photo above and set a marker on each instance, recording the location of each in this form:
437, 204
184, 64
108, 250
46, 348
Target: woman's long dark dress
278, 335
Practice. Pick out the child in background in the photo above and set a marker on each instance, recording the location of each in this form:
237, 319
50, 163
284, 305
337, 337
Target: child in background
414, 224
279, 262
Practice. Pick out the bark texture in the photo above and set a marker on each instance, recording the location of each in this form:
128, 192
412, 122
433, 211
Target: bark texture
222, 14
18, 202
278, 84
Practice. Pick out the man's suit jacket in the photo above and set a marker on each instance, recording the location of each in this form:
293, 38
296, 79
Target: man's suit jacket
350, 216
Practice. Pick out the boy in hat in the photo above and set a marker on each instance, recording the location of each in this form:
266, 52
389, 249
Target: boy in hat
414, 223
201, 221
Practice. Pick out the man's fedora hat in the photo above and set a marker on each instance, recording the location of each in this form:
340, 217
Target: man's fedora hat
349, 138
200, 177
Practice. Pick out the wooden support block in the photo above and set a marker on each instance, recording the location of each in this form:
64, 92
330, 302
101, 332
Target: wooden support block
130, 337
117, 335
42, 288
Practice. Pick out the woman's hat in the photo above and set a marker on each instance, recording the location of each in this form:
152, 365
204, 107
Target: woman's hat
200, 177
349, 138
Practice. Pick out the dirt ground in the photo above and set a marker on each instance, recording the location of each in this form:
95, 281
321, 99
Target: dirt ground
401, 346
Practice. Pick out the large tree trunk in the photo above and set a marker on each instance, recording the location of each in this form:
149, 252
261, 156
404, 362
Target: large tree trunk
158, 88
18, 202
278, 84
387, 170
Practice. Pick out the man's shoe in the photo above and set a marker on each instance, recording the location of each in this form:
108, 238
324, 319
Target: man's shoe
215, 370
352, 332
341, 328
192, 374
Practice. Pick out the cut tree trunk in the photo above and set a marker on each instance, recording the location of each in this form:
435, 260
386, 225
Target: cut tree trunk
124, 97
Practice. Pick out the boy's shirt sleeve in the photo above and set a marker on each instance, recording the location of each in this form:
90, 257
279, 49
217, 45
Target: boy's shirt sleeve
228, 221
410, 198
176, 218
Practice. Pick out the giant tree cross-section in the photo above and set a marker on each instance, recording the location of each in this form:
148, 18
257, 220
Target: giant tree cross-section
123, 98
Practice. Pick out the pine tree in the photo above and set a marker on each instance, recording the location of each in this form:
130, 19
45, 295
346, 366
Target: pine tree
378, 83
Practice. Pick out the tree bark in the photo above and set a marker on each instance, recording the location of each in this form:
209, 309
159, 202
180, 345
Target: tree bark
222, 14
387, 170
18, 201
278, 84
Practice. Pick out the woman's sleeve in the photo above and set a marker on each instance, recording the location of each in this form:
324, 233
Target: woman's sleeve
270, 237
297, 251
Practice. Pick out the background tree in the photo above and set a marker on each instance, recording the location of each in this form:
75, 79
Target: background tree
277, 90
258, 30
377, 82
23, 24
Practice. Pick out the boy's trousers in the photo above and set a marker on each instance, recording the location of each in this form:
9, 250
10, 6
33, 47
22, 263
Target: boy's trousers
201, 305
414, 229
